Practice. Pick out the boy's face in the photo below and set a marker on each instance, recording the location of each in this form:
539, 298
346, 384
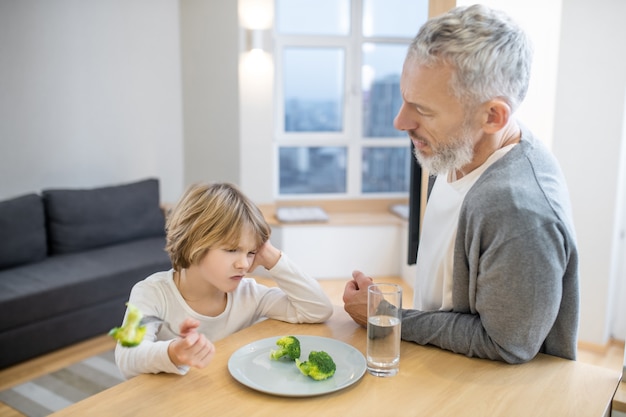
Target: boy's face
224, 267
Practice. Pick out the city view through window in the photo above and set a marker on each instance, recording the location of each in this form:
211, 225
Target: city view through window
338, 88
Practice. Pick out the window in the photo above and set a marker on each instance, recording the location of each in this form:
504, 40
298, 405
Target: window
338, 65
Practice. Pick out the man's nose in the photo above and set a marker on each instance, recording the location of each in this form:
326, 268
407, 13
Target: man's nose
405, 119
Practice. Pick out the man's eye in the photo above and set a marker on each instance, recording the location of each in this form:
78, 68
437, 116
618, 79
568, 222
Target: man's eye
422, 112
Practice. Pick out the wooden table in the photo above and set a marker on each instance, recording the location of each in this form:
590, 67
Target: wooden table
431, 382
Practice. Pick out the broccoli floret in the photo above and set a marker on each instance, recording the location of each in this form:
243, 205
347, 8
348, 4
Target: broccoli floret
130, 334
289, 347
320, 366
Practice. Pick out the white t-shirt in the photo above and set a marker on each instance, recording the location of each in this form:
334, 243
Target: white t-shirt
433, 284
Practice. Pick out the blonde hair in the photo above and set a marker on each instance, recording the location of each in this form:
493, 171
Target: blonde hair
208, 215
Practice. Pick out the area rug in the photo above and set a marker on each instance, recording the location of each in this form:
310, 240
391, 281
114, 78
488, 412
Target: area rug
55, 391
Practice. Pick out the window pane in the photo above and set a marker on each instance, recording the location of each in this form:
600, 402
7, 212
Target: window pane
393, 18
313, 80
386, 170
311, 170
380, 76
313, 17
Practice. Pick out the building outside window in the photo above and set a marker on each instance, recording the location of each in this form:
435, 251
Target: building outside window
338, 65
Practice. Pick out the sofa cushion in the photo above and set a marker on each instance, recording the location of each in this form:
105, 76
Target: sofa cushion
63, 284
80, 219
22, 231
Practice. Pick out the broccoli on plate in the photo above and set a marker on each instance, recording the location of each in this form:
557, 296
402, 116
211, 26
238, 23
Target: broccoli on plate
131, 333
320, 366
289, 346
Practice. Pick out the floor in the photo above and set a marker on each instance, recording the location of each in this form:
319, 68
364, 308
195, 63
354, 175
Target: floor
611, 357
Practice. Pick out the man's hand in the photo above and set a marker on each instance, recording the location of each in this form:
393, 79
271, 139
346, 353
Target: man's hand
355, 297
192, 348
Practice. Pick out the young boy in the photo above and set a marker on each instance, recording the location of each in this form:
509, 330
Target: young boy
215, 235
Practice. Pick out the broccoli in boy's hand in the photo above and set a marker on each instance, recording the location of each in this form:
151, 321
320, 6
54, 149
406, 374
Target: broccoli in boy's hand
131, 333
289, 347
320, 366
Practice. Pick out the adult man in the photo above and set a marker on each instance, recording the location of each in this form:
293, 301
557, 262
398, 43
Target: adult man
497, 267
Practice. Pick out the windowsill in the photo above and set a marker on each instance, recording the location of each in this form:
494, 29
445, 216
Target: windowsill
342, 212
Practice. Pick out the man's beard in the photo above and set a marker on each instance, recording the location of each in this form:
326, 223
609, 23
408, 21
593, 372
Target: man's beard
448, 157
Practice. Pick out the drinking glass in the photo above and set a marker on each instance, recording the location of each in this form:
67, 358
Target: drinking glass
384, 305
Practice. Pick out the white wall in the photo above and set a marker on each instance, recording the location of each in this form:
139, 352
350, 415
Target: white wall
256, 94
618, 268
210, 54
257, 156
541, 21
90, 94
588, 124
309, 246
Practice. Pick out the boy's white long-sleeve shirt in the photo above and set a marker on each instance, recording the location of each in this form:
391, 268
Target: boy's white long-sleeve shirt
297, 299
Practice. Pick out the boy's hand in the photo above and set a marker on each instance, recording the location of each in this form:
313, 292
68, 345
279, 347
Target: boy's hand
193, 348
266, 256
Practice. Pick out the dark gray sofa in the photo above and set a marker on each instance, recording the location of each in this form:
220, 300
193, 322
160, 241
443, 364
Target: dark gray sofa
68, 260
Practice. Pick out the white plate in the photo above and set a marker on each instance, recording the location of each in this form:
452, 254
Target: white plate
251, 365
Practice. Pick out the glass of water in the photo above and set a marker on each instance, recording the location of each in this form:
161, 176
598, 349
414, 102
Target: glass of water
384, 305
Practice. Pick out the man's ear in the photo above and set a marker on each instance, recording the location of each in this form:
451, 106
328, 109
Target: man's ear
497, 114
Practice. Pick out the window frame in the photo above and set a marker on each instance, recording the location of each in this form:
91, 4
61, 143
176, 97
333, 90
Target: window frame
351, 137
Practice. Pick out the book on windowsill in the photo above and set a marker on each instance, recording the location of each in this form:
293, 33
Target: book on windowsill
400, 210
301, 214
